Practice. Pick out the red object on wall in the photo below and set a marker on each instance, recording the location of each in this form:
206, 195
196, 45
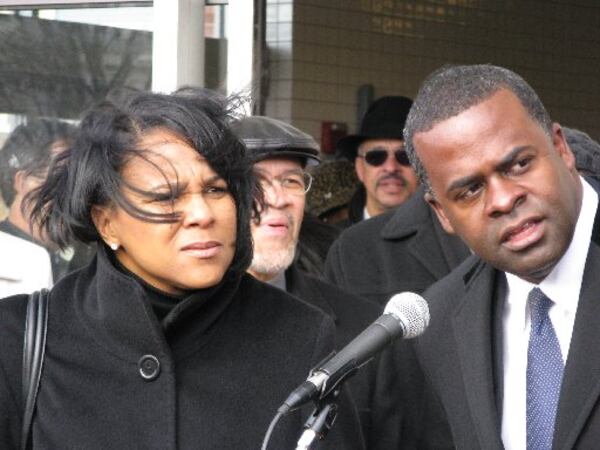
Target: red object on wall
331, 133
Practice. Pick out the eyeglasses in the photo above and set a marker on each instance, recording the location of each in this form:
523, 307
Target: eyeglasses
378, 157
293, 183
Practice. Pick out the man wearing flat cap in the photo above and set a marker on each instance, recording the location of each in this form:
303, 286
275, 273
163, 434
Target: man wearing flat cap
281, 153
381, 164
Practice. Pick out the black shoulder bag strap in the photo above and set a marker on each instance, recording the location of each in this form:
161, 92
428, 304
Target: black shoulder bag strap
34, 345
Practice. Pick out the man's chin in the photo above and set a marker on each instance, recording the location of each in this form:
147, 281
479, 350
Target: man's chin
391, 201
273, 259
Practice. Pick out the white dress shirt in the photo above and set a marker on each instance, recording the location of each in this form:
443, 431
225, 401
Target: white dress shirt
24, 266
562, 286
366, 214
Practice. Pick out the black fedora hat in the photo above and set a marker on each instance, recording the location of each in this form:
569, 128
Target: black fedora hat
384, 119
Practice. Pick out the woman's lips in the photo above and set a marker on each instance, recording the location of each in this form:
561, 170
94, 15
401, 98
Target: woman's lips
202, 250
522, 236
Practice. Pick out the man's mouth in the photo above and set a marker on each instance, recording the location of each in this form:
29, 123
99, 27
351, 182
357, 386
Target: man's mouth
391, 183
275, 227
523, 235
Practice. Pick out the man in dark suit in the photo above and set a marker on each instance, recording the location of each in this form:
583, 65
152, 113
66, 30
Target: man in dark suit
511, 352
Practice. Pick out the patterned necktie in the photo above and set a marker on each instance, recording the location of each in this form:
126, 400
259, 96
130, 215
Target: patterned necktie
544, 374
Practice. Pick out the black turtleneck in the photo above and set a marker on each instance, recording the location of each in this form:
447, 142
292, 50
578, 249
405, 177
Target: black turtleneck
163, 303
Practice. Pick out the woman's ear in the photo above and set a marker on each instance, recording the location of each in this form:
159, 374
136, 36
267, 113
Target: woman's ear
102, 216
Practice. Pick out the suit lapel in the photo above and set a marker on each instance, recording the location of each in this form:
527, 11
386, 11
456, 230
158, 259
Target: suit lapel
581, 382
473, 325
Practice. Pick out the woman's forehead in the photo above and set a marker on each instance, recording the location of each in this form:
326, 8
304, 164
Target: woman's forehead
155, 138
161, 153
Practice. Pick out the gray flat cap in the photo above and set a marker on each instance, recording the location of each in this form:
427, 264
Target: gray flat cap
265, 137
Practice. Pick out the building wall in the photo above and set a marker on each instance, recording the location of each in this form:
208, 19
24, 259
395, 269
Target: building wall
322, 51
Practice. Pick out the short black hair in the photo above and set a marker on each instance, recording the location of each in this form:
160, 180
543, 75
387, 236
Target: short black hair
451, 90
29, 148
89, 173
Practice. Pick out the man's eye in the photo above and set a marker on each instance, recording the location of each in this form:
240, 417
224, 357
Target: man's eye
521, 164
292, 181
471, 191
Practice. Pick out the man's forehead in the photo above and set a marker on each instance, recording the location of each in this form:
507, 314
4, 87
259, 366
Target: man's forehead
500, 112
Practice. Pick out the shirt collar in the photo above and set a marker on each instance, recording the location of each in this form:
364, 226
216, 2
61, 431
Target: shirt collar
563, 284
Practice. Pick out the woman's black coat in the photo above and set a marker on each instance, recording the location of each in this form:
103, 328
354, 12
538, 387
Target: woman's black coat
226, 361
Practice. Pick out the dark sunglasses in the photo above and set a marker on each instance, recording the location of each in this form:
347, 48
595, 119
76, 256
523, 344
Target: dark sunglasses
378, 157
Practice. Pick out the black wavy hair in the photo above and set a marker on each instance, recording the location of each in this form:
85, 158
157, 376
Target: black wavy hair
89, 173
29, 148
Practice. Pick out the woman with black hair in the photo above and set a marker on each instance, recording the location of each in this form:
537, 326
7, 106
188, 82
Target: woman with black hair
162, 342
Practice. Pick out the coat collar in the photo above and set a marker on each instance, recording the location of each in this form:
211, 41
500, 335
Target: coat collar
415, 218
115, 307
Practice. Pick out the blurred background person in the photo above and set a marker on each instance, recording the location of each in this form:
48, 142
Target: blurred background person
280, 153
586, 151
381, 164
334, 184
24, 266
163, 339
24, 161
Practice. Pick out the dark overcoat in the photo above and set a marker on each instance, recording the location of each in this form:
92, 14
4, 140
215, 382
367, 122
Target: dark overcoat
405, 249
352, 315
211, 375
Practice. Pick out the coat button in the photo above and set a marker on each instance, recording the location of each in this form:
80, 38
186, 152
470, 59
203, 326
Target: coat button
149, 367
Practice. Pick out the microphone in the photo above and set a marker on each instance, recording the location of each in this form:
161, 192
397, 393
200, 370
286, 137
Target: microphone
406, 315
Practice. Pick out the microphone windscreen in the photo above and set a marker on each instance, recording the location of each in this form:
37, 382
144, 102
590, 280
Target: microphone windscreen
411, 310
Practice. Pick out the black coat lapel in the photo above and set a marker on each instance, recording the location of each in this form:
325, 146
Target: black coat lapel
473, 325
581, 382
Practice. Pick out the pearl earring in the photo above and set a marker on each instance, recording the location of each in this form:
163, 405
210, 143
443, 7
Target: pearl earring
114, 246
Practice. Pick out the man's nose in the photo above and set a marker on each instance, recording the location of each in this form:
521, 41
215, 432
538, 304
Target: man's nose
502, 196
391, 164
275, 195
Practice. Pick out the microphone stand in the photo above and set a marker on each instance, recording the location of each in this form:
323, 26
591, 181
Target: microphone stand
320, 421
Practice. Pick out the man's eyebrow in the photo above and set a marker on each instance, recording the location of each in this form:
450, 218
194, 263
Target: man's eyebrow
504, 164
463, 182
509, 159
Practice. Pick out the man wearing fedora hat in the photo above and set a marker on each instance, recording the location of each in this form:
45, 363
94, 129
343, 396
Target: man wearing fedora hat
379, 159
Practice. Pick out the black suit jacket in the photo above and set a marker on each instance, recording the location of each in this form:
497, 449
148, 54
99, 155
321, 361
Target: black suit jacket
460, 355
403, 250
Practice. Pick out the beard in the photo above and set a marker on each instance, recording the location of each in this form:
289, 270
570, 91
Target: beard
273, 259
